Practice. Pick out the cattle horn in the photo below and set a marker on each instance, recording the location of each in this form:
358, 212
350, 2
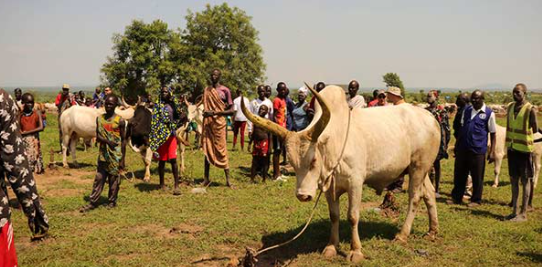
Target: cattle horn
319, 127
264, 123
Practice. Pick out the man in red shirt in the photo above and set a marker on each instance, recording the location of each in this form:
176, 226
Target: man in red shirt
279, 116
63, 101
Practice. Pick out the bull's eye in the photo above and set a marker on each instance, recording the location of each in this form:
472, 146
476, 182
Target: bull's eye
313, 163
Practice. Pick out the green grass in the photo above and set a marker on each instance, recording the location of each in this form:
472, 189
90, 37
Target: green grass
154, 228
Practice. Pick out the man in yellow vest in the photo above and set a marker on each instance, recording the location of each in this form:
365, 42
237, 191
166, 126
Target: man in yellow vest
520, 128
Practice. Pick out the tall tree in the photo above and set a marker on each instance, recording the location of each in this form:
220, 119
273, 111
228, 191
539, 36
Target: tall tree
392, 79
219, 37
141, 58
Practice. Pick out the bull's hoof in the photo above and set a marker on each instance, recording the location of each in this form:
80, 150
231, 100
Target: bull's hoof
355, 256
431, 235
495, 185
65, 166
329, 252
400, 239
147, 179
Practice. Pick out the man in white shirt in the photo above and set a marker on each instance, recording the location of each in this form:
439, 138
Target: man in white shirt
256, 103
239, 120
355, 100
477, 122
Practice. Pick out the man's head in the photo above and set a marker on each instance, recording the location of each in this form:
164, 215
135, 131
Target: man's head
320, 86
261, 92
65, 89
281, 89
111, 102
82, 95
238, 92
98, 90
18, 93
262, 112
353, 88
381, 96
28, 102
108, 91
462, 100
375, 93
477, 99
215, 76
432, 97
394, 94
302, 94
519, 92
268, 91
165, 94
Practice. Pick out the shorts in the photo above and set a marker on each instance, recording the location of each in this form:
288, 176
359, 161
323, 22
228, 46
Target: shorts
168, 150
520, 164
278, 145
261, 148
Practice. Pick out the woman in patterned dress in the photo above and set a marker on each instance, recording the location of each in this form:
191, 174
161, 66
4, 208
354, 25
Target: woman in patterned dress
31, 125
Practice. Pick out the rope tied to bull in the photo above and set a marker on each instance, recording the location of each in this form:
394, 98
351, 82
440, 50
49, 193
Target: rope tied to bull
250, 256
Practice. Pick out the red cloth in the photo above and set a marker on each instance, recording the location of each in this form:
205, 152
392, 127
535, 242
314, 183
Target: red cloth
261, 148
29, 123
61, 98
168, 150
279, 109
8, 255
373, 103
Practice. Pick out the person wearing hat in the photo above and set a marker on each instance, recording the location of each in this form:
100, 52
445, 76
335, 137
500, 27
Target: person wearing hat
380, 99
394, 95
299, 114
63, 101
441, 115
354, 100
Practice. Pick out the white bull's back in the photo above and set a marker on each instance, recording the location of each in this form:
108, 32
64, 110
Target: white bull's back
80, 120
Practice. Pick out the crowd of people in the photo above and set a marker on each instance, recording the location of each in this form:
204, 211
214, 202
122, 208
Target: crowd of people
474, 127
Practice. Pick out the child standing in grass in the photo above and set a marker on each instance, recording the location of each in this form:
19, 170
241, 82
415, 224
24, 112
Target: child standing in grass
110, 136
31, 122
260, 152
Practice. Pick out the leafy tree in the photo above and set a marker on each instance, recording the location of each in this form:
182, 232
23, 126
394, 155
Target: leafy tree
392, 79
141, 58
219, 37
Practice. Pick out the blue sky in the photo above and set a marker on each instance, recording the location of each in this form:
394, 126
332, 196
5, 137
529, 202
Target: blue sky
459, 44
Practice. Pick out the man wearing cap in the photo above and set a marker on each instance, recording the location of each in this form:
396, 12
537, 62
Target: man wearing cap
355, 100
520, 128
380, 99
394, 95
477, 122
63, 101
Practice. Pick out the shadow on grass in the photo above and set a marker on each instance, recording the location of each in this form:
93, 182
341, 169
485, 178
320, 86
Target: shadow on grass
501, 183
147, 187
534, 257
483, 213
101, 201
316, 237
80, 165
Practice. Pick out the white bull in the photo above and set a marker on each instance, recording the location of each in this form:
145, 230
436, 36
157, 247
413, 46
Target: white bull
500, 152
383, 143
80, 122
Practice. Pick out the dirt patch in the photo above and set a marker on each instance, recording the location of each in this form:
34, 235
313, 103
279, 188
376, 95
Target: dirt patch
54, 177
62, 192
186, 230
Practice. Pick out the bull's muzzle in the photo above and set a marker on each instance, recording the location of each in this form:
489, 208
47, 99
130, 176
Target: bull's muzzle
304, 197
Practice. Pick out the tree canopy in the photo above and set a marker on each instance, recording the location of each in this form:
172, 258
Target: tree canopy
147, 56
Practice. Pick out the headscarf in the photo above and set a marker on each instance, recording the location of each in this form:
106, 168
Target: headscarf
303, 90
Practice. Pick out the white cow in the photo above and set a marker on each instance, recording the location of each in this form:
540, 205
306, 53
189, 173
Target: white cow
80, 122
382, 144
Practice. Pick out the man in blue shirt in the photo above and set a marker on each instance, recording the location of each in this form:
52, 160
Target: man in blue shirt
477, 121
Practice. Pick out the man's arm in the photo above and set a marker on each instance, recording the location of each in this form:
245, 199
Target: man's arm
492, 126
532, 121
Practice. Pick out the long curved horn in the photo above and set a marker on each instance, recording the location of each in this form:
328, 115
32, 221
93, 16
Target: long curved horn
264, 123
319, 127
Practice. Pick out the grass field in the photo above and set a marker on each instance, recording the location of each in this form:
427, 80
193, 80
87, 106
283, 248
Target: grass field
154, 228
